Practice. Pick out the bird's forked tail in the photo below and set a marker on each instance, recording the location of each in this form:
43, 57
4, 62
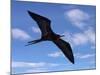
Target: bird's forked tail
33, 42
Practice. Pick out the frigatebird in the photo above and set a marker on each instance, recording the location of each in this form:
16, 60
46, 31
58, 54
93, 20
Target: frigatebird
48, 35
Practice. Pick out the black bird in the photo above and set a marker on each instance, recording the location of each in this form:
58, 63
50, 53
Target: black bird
49, 35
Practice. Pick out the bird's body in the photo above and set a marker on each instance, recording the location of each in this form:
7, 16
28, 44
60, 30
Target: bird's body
49, 35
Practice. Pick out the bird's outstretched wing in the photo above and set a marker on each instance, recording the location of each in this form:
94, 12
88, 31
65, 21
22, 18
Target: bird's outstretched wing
66, 49
43, 22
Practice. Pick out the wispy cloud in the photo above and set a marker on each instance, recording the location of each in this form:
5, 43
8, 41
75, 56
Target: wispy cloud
36, 70
90, 33
84, 56
33, 64
20, 34
77, 17
36, 30
32, 67
81, 38
27, 64
80, 19
55, 54
87, 56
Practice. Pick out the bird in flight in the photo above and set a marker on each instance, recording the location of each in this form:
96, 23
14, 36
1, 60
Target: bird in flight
48, 35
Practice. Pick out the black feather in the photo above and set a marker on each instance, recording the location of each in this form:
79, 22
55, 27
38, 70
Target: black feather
44, 25
65, 48
43, 22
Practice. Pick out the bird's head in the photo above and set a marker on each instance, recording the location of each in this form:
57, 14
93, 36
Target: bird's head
60, 35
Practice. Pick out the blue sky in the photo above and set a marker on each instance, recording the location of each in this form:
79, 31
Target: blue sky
76, 22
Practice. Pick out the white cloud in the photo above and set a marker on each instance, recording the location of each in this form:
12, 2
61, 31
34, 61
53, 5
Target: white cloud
36, 30
81, 38
84, 56
33, 64
27, 64
77, 17
67, 36
87, 56
55, 54
37, 70
20, 34
90, 33
80, 19
75, 38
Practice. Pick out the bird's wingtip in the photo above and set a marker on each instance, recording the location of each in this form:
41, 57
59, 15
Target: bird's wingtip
29, 11
73, 62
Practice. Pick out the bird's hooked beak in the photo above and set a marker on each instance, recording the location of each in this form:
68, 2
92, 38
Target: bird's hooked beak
62, 35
